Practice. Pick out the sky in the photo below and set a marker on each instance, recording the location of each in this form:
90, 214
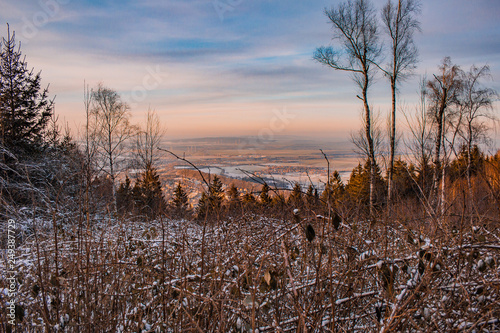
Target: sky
230, 67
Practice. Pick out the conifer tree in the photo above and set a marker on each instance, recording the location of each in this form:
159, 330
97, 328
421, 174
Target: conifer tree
295, 198
124, 196
234, 196
180, 201
338, 186
25, 109
358, 186
212, 202
265, 199
463, 164
202, 208
148, 194
310, 196
404, 177
215, 194
249, 199
278, 201
334, 190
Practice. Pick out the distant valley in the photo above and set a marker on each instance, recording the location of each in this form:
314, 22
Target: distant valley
249, 161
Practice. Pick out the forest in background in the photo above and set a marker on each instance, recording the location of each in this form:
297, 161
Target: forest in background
405, 244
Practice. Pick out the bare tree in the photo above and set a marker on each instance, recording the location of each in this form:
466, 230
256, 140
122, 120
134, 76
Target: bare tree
148, 139
444, 91
110, 123
476, 106
355, 28
359, 137
419, 143
400, 24
90, 167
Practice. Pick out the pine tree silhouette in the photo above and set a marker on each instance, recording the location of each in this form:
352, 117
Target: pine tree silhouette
180, 200
334, 190
124, 197
148, 195
403, 180
215, 194
25, 109
203, 207
211, 203
295, 198
458, 168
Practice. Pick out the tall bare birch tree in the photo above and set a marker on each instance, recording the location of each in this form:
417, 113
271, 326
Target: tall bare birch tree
419, 142
444, 91
148, 139
356, 31
476, 105
112, 129
400, 24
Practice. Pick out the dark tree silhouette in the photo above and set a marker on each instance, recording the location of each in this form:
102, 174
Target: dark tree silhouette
180, 200
203, 207
124, 197
25, 109
312, 197
404, 177
358, 186
148, 195
211, 203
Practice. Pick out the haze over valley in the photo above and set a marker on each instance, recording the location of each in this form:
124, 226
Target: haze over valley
249, 161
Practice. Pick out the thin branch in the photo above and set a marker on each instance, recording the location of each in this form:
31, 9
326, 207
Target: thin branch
188, 162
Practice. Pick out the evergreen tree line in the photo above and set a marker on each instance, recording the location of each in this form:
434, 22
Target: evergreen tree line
410, 185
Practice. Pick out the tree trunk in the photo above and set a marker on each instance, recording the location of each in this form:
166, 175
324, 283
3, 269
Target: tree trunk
443, 184
112, 173
469, 162
437, 152
392, 142
395, 57
369, 140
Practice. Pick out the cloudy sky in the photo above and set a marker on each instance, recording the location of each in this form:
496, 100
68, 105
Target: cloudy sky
229, 67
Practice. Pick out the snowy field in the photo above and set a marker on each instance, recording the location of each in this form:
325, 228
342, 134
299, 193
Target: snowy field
254, 274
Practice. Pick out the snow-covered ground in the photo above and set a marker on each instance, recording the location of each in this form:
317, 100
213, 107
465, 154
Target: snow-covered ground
253, 273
